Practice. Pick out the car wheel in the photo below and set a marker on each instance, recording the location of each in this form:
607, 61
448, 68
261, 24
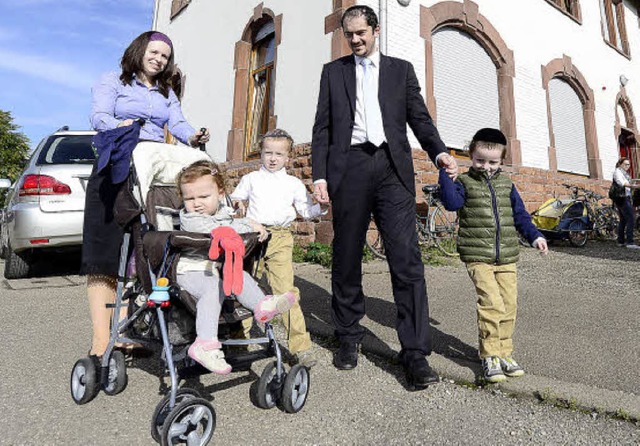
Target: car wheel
16, 266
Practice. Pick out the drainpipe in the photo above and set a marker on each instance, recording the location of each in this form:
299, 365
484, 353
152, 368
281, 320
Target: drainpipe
382, 39
154, 23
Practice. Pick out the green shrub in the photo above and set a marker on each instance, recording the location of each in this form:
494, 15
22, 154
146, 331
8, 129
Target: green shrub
322, 254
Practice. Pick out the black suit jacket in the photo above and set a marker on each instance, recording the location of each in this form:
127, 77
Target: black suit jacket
400, 103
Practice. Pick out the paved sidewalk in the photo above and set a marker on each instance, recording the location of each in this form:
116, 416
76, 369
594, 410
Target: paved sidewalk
577, 332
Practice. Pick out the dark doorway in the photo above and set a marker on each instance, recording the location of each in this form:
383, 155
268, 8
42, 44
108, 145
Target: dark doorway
628, 148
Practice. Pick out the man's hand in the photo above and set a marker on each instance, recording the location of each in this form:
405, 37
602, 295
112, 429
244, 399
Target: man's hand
320, 193
450, 165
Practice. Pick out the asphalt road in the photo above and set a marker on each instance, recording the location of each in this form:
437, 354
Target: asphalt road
45, 329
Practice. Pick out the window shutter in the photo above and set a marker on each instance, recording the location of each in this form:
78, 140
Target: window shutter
567, 119
465, 85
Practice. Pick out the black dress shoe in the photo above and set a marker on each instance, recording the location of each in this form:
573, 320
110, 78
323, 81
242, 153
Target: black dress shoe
419, 374
346, 358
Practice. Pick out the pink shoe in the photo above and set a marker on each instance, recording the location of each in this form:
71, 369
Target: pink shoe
270, 306
208, 353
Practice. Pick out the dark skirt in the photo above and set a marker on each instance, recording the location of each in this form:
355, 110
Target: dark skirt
102, 236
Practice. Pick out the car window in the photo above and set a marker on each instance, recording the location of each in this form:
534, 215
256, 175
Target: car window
67, 149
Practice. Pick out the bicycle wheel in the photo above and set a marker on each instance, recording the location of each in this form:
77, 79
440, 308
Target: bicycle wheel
606, 222
578, 233
374, 241
443, 226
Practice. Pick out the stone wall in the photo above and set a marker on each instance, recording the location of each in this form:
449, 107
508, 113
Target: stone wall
535, 186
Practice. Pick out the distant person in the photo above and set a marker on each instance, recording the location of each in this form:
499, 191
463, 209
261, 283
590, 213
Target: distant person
142, 90
362, 162
491, 215
622, 200
275, 199
202, 190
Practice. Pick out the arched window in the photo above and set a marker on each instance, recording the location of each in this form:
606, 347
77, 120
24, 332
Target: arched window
465, 86
573, 139
466, 33
261, 89
567, 123
255, 64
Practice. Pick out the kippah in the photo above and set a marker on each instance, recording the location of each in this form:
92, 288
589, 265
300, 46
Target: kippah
490, 135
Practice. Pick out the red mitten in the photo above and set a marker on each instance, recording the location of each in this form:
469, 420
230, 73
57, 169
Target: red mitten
216, 236
227, 239
234, 246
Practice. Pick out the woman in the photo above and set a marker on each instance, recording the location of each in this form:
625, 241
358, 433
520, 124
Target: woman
142, 90
622, 178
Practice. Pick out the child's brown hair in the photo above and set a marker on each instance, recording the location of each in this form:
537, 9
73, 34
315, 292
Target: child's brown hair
200, 169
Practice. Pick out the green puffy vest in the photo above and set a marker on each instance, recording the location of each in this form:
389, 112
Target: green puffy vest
487, 233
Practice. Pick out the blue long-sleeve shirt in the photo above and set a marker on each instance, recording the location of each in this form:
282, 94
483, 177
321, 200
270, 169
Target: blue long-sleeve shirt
453, 198
113, 102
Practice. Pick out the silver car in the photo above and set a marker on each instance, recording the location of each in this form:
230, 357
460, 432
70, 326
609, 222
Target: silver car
45, 206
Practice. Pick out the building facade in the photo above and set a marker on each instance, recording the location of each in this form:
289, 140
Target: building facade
558, 77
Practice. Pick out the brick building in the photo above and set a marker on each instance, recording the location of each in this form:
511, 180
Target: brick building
556, 76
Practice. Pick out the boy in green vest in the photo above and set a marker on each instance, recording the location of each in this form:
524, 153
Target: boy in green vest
491, 214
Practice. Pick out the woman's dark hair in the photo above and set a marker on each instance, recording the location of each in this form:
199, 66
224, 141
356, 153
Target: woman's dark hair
621, 160
131, 63
361, 11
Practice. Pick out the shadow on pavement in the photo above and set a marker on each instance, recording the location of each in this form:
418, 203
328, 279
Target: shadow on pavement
316, 303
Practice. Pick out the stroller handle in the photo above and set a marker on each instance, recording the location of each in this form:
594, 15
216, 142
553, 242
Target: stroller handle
202, 146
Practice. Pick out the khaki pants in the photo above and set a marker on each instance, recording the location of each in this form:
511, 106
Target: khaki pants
278, 267
496, 287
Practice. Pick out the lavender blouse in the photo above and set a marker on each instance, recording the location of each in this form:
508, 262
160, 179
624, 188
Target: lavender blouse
113, 102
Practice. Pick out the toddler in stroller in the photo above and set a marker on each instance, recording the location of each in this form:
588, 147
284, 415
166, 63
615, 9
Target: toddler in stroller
154, 260
202, 190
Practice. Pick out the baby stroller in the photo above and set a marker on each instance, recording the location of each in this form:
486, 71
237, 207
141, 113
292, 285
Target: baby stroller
560, 219
160, 315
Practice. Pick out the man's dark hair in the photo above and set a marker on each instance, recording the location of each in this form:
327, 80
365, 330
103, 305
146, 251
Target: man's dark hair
361, 11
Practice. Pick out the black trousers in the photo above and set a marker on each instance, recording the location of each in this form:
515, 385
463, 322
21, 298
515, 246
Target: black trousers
372, 185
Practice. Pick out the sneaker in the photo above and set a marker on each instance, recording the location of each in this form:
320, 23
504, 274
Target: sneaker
510, 367
209, 354
306, 358
491, 370
633, 246
271, 306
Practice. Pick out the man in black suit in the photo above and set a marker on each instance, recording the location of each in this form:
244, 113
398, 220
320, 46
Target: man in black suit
362, 163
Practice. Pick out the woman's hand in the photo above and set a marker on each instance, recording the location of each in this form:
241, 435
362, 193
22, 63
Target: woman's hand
126, 123
200, 137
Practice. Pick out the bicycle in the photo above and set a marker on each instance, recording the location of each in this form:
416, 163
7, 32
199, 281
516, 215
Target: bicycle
603, 219
437, 227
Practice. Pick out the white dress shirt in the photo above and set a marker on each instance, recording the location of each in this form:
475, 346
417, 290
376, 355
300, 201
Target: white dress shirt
359, 134
274, 197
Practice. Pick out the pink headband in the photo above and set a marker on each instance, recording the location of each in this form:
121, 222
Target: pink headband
158, 36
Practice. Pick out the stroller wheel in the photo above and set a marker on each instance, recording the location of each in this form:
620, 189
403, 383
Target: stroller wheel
295, 389
578, 234
267, 394
190, 422
163, 409
117, 374
84, 381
